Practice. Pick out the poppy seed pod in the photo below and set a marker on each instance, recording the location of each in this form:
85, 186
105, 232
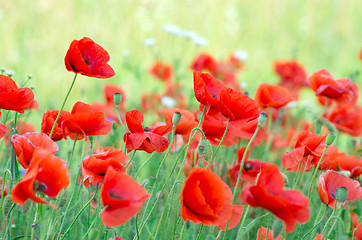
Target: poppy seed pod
341, 194
330, 139
176, 118
262, 118
117, 98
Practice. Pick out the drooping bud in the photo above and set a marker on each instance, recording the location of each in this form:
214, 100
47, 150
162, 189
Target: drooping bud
205, 150
318, 128
277, 228
330, 139
26, 207
117, 98
7, 205
176, 118
262, 118
63, 199
341, 194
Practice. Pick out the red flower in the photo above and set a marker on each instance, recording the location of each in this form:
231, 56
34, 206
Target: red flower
206, 199
290, 206
47, 173
261, 234
24, 146
12, 97
307, 150
48, 122
268, 95
161, 71
330, 181
291, 74
348, 119
358, 232
85, 121
109, 90
249, 172
146, 139
88, 58
204, 62
123, 197
3, 129
95, 166
340, 90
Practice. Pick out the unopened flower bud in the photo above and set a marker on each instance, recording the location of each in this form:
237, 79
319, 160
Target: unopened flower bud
26, 207
176, 118
262, 118
7, 205
318, 128
63, 199
330, 139
277, 228
117, 97
205, 150
341, 194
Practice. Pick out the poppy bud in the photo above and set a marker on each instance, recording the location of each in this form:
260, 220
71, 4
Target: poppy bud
176, 118
26, 207
7, 205
262, 117
117, 98
277, 228
205, 150
318, 128
330, 139
63, 199
341, 194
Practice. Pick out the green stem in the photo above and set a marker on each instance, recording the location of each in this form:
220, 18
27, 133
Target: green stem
144, 164
119, 119
199, 235
316, 219
240, 171
134, 153
250, 225
218, 147
298, 175
61, 109
315, 171
330, 217
80, 212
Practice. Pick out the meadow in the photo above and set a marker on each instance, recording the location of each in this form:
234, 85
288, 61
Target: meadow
191, 112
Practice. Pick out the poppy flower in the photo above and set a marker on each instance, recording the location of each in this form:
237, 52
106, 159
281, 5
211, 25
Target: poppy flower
307, 151
249, 172
290, 206
187, 120
146, 139
47, 173
261, 234
95, 166
204, 62
48, 122
348, 119
86, 57
319, 237
109, 90
206, 199
12, 97
341, 90
161, 71
358, 232
268, 95
85, 121
330, 181
123, 197
3, 130
291, 74
25, 144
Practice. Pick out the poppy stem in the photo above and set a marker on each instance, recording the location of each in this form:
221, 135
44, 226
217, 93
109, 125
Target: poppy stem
80, 212
3, 187
218, 147
199, 235
312, 230
61, 109
320, 116
119, 119
315, 171
240, 171
134, 153
250, 225
298, 175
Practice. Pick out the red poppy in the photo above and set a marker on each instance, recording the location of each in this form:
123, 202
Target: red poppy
161, 71
146, 139
348, 119
206, 199
85, 121
307, 151
249, 172
25, 144
3, 129
292, 75
340, 90
109, 90
48, 122
354, 220
330, 181
123, 197
319, 237
204, 62
358, 232
109, 111
290, 206
47, 173
12, 97
187, 120
261, 234
116, 238
88, 58
268, 95
95, 166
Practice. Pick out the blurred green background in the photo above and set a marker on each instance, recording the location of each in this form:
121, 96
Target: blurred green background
36, 34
